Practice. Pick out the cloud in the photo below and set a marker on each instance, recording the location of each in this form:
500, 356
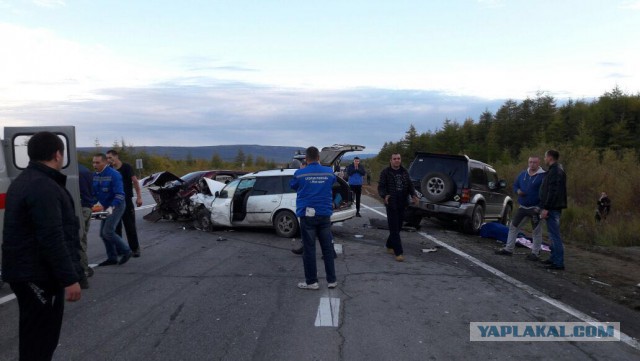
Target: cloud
630, 5
50, 3
173, 113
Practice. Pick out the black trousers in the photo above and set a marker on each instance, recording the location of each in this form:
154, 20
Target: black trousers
395, 218
41, 306
129, 221
357, 190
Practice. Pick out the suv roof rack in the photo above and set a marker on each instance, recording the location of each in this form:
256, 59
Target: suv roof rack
452, 156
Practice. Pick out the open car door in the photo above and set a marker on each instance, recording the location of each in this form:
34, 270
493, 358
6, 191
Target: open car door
222, 205
15, 152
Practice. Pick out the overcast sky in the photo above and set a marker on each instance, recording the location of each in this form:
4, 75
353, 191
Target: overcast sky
300, 72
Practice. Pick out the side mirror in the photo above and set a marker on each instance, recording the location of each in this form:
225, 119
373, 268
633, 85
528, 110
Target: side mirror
217, 194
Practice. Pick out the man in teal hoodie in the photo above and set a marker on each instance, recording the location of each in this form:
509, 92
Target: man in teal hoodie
527, 187
109, 191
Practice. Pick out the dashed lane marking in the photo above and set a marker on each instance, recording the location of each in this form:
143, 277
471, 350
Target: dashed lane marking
328, 312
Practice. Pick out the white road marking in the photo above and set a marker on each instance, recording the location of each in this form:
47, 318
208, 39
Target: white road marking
328, 312
373, 210
338, 248
145, 207
530, 290
7, 298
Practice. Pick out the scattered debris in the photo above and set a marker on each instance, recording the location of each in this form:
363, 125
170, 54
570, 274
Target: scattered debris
599, 282
358, 236
428, 250
220, 239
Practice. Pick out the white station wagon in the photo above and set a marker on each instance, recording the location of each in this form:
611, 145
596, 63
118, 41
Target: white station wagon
264, 199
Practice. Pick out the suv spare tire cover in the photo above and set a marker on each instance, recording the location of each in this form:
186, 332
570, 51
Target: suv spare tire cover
437, 186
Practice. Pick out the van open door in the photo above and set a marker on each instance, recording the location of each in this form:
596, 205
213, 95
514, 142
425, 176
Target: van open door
16, 158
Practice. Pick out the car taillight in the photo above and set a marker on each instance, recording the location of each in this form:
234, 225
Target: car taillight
466, 197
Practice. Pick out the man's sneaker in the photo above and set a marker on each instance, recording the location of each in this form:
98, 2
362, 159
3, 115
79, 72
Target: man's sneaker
390, 251
333, 285
548, 261
504, 252
125, 258
532, 257
554, 267
84, 283
107, 263
305, 286
136, 253
89, 272
400, 258
358, 214
298, 250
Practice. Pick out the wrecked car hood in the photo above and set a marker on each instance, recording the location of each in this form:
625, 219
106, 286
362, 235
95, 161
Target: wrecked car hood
160, 179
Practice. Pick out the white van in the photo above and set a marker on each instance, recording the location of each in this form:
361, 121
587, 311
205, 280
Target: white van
14, 159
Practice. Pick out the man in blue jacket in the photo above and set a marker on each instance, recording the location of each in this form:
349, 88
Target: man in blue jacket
527, 187
356, 172
314, 207
108, 190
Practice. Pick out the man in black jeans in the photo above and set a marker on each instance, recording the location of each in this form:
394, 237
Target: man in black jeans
129, 181
395, 187
41, 247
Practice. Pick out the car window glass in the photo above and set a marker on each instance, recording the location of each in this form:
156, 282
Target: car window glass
21, 158
267, 185
492, 178
229, 190
478, 178
246, 184
285, 184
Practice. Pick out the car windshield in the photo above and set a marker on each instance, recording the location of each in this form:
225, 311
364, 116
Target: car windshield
455, 168
190, 176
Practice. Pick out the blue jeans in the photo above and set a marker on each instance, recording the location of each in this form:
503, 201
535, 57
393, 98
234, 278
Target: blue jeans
113, 243
557, 249
310, 227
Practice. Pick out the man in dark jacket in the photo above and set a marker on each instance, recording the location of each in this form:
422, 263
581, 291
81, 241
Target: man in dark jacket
41, 247
356, 172
553, 199
395, 187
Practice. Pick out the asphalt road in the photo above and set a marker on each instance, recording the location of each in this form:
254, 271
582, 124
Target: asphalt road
231, 295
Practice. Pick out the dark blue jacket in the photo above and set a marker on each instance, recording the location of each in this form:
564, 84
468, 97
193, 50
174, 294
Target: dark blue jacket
530, 186
108, 188
355, 175
86, 183
41, 239
553, 192
314, 185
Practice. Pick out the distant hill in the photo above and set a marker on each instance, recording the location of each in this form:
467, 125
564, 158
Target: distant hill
277, 154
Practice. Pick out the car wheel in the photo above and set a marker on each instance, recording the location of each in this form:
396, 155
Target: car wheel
286, 224
203, 220
437, 186
471, 225
506, 216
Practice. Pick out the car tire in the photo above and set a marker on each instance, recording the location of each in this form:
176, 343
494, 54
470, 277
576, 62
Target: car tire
203, 220
286, 224
471, 225
437, 187
506, 216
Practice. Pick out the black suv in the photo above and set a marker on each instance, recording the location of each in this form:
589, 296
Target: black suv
454, 187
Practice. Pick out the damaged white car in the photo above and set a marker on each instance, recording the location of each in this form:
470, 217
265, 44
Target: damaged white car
264, 198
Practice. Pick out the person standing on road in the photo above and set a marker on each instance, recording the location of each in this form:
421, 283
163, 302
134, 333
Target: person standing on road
527, 187
395, 187
107, 189
356, 172
314, 207
553, 199
86, 201
130, 182
41, 247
